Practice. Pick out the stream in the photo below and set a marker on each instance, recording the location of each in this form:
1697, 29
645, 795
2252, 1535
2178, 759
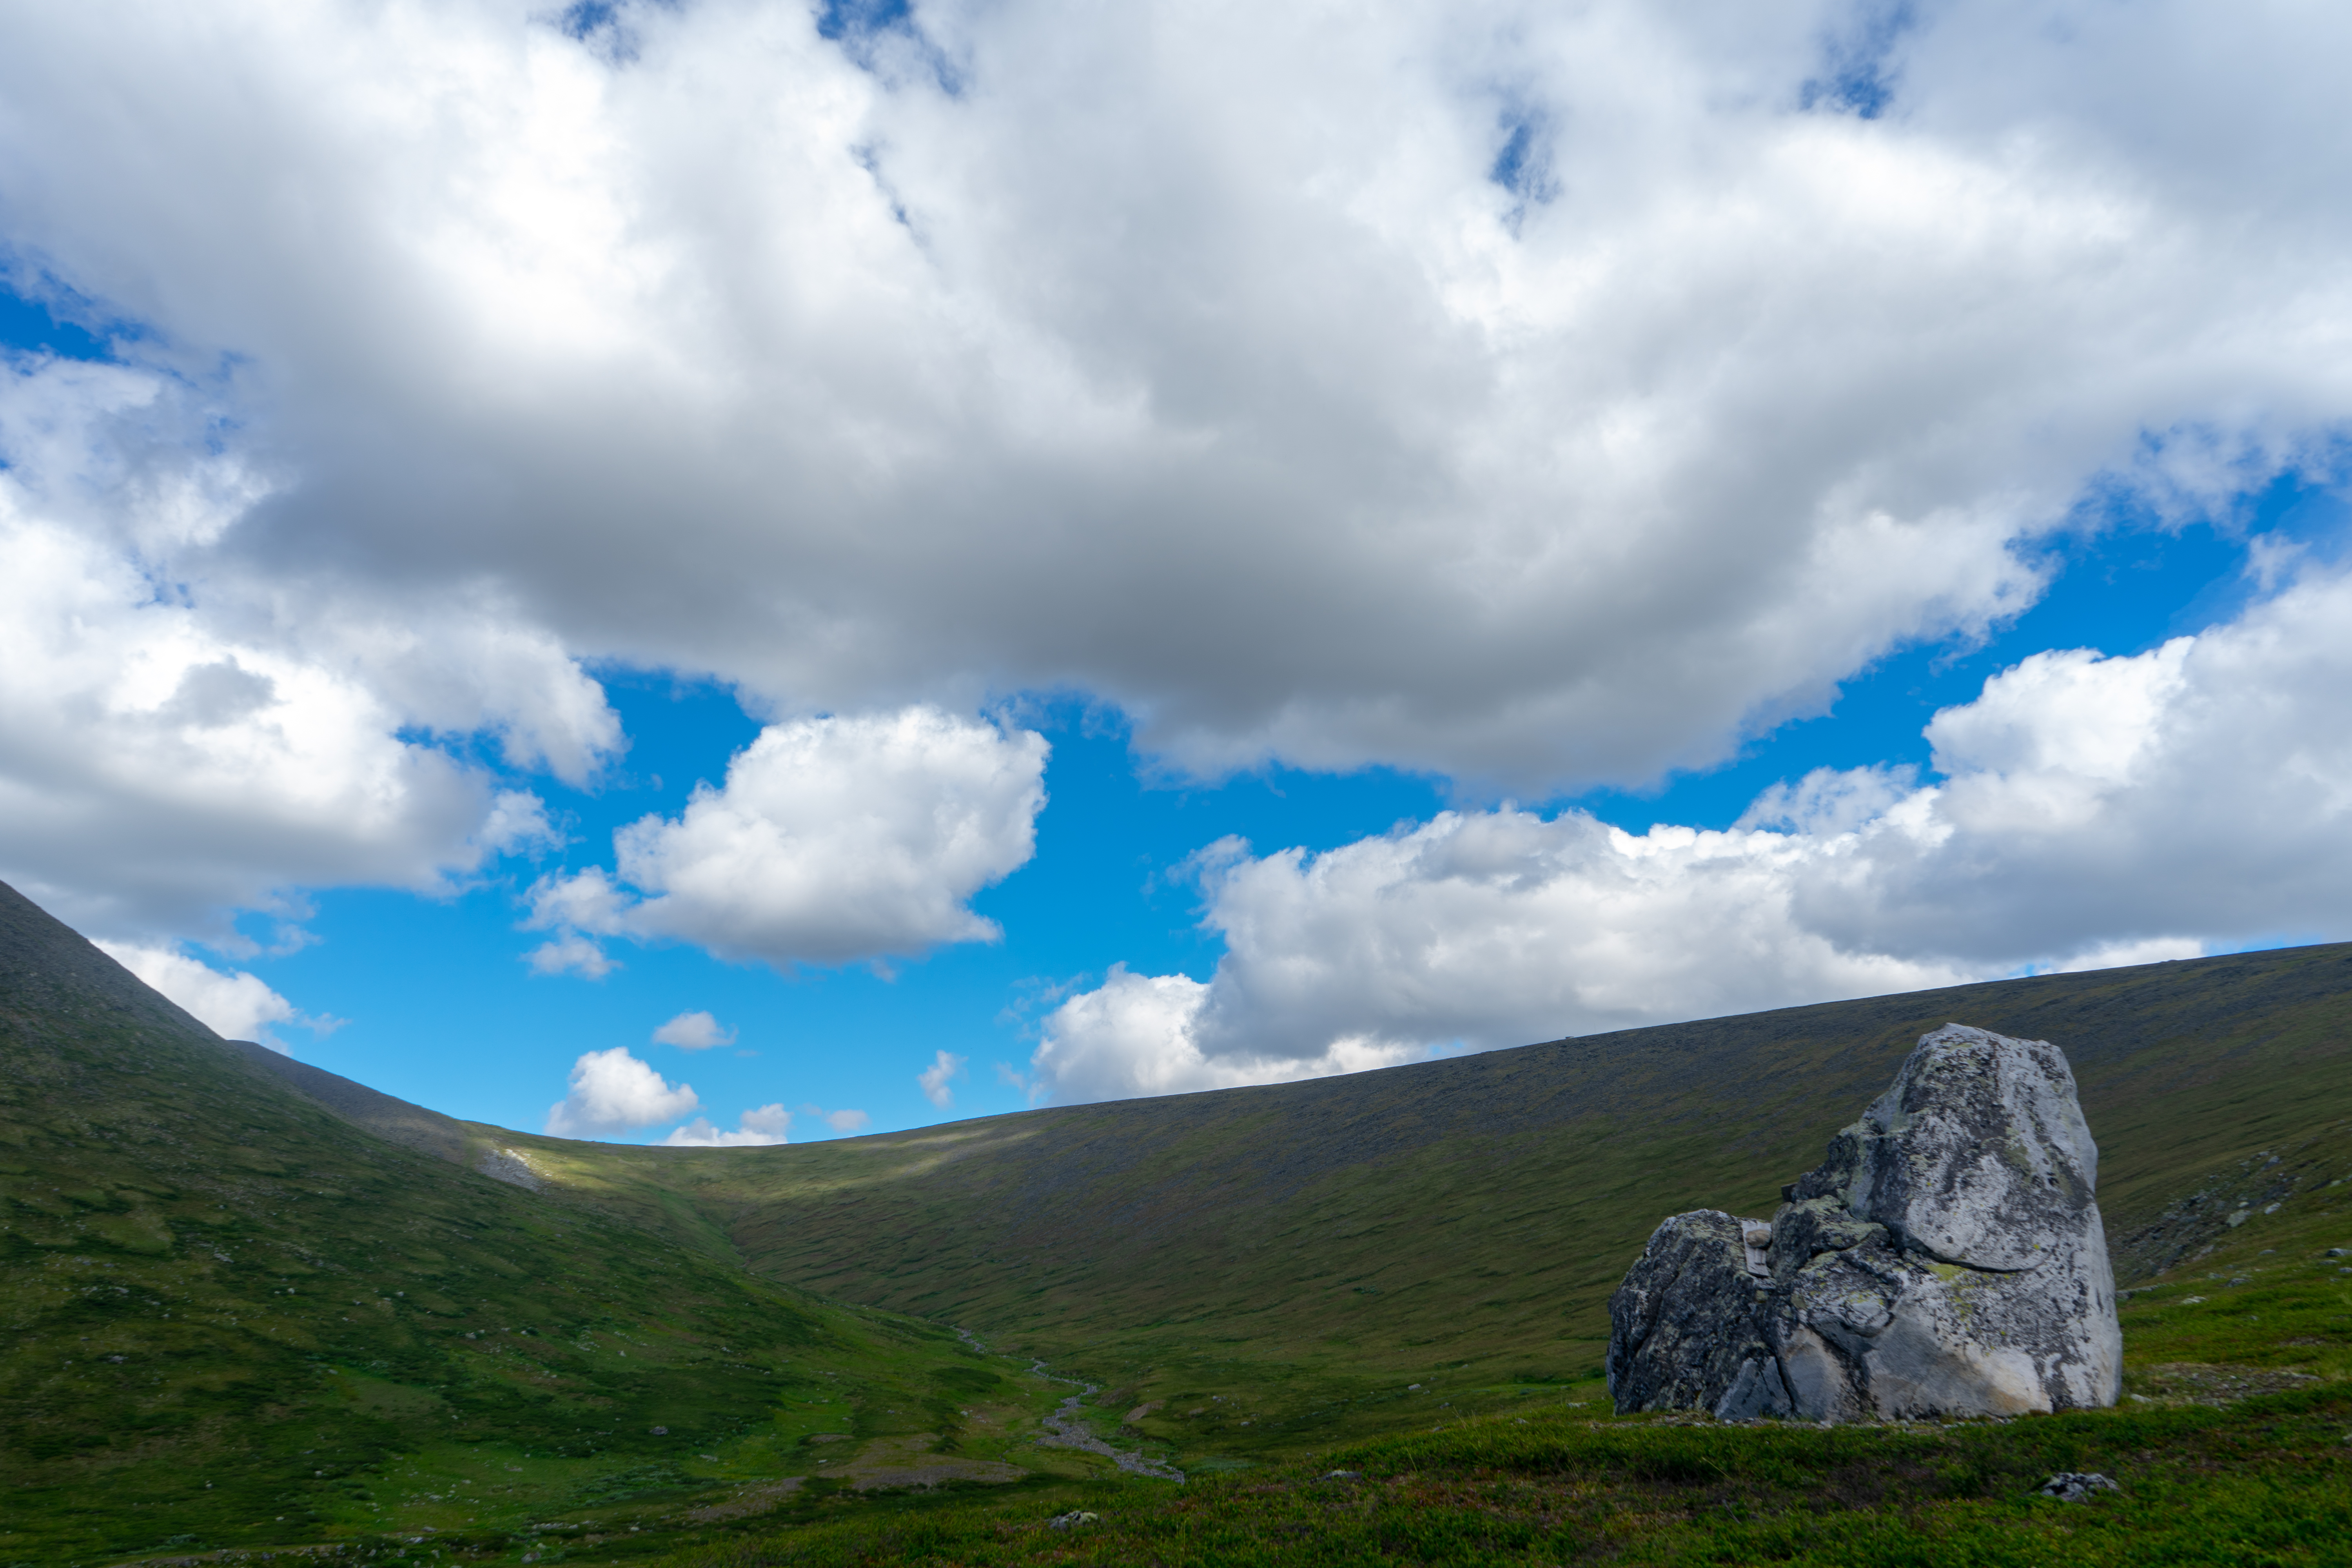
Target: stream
1069, 1432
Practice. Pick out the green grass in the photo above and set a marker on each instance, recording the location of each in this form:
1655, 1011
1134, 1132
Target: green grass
1305, 1250
239, 1322
235, 1319
2268, 1481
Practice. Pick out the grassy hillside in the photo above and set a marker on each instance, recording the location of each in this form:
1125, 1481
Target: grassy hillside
235, 1317
254, 1305
1293, 1256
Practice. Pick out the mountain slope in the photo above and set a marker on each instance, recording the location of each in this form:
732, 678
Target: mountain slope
254, 1304
237, 1317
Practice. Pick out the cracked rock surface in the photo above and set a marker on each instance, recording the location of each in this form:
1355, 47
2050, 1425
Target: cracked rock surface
1945, 1258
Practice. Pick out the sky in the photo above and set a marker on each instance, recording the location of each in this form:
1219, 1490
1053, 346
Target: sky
704, 572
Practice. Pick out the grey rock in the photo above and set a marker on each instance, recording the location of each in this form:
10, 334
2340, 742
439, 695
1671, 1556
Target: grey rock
1808, 1229
1946, 1259
508, 1166
1687, 1328
2075, 1486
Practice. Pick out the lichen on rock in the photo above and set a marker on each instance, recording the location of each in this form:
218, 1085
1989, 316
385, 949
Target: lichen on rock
1946, 1259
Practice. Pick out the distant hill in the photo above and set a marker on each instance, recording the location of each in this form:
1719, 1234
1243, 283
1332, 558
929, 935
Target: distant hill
1471, 1213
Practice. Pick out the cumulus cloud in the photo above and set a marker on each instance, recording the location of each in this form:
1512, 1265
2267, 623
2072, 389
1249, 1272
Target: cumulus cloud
2120, 955
694, 1032
2088, 811
612, 1091
569, 952
757, 1128
518, 823
938, 1078
236, 1006
1535, 396
833, 840
177, 741
1531, 394
767, 1124
1141, 1034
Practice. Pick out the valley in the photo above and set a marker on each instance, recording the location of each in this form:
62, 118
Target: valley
254, 1307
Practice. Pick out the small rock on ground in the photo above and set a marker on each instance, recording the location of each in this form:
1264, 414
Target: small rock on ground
2073, 1486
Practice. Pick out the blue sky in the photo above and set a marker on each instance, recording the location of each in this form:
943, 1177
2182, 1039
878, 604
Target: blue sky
1106, 887
1369, 525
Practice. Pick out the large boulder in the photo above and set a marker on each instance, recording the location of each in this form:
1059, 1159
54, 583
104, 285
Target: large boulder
1946, 1259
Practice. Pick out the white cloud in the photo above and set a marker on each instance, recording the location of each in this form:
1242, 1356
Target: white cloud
1196, 360
1200, 362
2091, 811
517, 824
1141, 1034
569, 952
234, 1005
694, 1032
945, 1069
767, 1124
755, 1129
179, 737
1478, 929
2122, 954
612, 1091
833, 840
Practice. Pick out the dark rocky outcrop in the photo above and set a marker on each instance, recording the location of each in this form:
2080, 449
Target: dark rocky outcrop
1946, 1259
1703, 1322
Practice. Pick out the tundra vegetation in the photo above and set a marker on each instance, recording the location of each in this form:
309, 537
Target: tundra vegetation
253, 1310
